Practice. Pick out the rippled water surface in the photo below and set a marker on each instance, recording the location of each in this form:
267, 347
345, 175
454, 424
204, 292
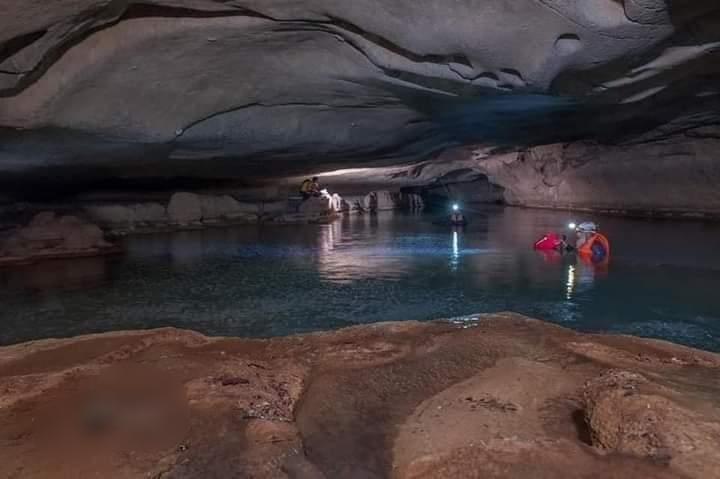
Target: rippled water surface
663, 279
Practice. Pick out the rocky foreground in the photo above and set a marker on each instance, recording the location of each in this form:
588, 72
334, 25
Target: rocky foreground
508, 397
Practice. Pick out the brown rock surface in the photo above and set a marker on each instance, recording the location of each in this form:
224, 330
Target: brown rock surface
509, 397
51, 236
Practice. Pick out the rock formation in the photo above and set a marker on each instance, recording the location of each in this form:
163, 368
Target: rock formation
495, 397
670, 176
97, 90
49, 236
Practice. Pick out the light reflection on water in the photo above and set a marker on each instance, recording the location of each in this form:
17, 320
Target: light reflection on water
273, 281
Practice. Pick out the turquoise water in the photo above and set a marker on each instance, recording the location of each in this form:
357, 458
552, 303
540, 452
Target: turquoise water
663, 279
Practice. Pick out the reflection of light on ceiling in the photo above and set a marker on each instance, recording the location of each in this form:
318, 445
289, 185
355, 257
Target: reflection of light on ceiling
570, 286
455, 259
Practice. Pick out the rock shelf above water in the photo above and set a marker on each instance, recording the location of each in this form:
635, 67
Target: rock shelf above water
502, 396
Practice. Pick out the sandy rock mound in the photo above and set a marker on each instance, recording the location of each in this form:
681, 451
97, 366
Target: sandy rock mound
509, 398
630, 415
51, 236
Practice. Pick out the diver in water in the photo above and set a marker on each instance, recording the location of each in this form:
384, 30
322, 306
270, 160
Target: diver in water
457, 218
563, 245
584, 233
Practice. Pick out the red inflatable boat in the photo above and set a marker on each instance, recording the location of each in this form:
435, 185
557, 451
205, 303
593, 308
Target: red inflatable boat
551, 241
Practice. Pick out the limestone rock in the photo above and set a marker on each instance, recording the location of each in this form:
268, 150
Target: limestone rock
381, 201
84, 236
97, 90
672, 176
413, 201
128, 216
225, 207
185, 208
316, 207
151, 213
384, 200
112, 215
507, 398
337, 204
627, 414
51, 236
42, 219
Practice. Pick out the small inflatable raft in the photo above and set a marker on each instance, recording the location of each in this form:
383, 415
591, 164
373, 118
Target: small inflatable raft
550, 241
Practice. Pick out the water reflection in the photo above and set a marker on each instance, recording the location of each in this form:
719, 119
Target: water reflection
356, 249
75, 274
570, 285
455, 258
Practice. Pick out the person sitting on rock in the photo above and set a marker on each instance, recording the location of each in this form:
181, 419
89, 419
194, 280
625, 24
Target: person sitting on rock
310, 188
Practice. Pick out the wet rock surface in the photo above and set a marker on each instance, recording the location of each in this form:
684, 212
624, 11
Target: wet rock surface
186, 210
508, 397
50, 236
670, 175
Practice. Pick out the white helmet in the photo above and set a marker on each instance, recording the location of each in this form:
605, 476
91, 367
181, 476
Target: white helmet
587, 227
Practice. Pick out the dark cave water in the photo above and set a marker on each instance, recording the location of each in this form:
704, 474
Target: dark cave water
663, 279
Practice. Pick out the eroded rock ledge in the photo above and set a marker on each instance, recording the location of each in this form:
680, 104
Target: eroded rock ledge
99, 91
508, 397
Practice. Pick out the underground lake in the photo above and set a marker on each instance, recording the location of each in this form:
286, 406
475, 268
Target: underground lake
661, 280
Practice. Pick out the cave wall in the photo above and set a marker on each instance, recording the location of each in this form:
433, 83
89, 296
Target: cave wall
678, 174
96, 91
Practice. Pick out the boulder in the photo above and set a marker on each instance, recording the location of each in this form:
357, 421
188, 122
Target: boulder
151, 213
629, 415
209, 207
225, 207
316, 207
48, 235
386, 200
122, 217
185, 208
112, 215
228, 207
337, 204
355, 203
42, 230
83, 236
42, 219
